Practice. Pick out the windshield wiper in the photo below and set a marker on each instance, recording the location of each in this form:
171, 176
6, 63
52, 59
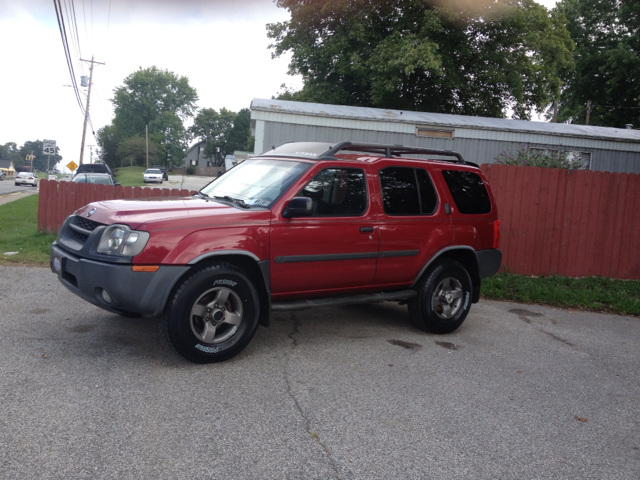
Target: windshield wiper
236, 201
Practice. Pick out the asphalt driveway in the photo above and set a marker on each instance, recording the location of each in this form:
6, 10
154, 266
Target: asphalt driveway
518, 391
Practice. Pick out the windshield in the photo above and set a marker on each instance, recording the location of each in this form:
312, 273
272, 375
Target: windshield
256, 182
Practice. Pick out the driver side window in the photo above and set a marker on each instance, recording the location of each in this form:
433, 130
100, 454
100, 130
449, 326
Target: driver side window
337, 192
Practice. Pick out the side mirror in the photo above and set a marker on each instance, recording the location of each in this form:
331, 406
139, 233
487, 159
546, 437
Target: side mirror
117, 184
298, 207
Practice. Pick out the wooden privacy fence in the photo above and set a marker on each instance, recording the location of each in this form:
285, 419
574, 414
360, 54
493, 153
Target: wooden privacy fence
574, 224
58, 200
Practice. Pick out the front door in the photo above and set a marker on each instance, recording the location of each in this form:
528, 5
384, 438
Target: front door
334, 249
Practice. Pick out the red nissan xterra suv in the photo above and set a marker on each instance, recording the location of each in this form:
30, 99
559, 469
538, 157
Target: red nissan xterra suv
299, 226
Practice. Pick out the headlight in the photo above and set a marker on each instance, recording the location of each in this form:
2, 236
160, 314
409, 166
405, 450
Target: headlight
121, 240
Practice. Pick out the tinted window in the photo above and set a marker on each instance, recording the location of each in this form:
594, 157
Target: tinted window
407, 191
337, 191
468, 191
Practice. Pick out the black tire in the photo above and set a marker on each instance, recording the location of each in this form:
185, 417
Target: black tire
213, 315
444, 298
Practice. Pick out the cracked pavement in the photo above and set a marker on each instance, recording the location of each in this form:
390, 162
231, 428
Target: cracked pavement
519, 391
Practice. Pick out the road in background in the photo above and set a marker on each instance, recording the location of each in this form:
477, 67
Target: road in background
519, 391
189, 182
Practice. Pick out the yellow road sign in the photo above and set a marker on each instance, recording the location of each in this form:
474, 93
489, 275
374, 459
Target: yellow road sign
72, 165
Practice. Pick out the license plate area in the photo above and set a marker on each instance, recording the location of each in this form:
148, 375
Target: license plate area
57, 264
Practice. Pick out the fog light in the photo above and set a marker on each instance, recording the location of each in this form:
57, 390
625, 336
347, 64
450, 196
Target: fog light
105, 296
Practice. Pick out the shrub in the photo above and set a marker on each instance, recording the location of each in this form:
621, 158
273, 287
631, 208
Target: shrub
191, 170
545, 158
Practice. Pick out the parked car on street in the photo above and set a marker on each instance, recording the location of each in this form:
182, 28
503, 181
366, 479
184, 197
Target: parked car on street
26, 178
93, 168
97, 178
152, 175
163, 169
302, 225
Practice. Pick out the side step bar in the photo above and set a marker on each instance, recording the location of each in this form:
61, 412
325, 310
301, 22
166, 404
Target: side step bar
287, 305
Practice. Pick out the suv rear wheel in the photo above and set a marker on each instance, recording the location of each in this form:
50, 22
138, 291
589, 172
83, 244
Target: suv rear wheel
213, 314
444, 298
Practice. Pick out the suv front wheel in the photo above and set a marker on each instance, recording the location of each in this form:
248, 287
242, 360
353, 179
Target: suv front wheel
444, 298
213, 314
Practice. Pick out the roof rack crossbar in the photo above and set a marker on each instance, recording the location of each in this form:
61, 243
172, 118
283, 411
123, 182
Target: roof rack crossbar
388, 150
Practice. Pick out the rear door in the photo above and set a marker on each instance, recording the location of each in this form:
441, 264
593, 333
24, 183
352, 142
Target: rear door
414, 223
334, 249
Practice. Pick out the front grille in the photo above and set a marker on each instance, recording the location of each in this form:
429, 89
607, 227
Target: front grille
81, 228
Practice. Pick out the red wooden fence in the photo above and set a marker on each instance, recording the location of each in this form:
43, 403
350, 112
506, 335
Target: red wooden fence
58, 200
574, 224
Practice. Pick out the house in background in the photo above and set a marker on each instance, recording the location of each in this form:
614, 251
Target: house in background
206, 165
7, 168
478, 139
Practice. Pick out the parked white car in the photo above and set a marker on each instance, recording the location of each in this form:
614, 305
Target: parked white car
152, 175
27, 178
52, 177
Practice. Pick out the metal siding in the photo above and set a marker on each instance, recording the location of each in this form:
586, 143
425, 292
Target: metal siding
277, 110
473, 149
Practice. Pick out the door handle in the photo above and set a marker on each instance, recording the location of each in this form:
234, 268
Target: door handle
366, 229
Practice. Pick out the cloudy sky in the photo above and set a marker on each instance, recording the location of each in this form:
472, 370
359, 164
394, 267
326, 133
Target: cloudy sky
220, 45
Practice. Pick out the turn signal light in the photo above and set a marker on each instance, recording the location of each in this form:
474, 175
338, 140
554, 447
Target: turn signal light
496, 234
145, 268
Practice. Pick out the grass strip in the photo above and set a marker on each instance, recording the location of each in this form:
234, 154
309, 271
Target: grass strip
588, 293
130, 176
19, 233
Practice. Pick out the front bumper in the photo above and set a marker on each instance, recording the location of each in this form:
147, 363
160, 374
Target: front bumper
145, 293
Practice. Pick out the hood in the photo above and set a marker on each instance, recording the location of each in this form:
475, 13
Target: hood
155, 213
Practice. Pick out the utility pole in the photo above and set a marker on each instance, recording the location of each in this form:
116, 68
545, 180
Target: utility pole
588, 112
86, 110
146, 136
555, 111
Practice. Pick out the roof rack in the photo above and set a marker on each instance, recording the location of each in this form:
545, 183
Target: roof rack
319, 151
391, 150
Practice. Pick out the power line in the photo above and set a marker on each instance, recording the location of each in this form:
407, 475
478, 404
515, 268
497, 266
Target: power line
67, 53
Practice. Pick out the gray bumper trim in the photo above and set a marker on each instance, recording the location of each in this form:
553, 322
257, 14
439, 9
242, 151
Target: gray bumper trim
488, 262
138, 292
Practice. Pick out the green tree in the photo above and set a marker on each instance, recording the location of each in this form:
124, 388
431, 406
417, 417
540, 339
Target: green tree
9, 151
240, 136
134, 150
163, 101
40, 162
474, 58
215, 129
607, 62
108, 139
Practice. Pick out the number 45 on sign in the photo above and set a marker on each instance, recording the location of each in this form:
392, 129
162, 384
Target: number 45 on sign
49, 147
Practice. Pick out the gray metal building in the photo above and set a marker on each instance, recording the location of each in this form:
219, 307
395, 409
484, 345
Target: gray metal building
478, 139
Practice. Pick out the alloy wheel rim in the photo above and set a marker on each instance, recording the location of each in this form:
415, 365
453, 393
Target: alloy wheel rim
216, 315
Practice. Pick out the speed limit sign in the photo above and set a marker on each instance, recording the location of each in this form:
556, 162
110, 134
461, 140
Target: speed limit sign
49, 147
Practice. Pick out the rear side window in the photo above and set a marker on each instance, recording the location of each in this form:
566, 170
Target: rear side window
468, 192
407, 191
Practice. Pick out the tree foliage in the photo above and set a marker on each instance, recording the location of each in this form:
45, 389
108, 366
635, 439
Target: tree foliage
133, 150
10, 151
607, 62
155, 98
223, 132
478, 57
